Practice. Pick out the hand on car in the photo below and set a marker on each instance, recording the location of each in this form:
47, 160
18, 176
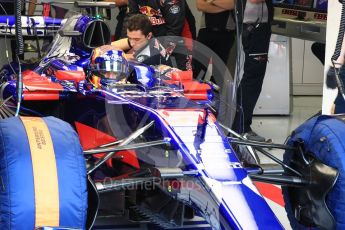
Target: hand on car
104, 48
130, 56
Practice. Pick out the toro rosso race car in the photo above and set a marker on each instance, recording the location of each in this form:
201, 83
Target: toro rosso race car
141, 144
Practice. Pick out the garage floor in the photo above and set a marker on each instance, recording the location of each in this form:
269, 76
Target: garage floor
278, 128
275, 127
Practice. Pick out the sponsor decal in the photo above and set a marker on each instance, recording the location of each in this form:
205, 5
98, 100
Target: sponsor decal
150, 12
141, 58
154, 15
290, 12
156, 21
174, 9
320, 16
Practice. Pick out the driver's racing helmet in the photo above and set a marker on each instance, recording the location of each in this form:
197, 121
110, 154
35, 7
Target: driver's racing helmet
111, 67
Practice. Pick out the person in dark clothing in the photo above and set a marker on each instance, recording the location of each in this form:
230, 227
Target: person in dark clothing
168, 19
120, 19
140, 45
257, 18
190, 24
217, 32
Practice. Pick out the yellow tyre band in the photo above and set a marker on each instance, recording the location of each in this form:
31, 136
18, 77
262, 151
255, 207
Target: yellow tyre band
44, 172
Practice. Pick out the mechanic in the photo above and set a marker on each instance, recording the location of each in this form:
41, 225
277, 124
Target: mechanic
139, 44
217, 30
168, 19
257, 18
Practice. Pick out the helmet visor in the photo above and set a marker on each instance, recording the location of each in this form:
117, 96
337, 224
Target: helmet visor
112, 66
112, 69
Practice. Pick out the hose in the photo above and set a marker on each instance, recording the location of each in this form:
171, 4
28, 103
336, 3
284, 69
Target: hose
340, 34
18, 22
19, 51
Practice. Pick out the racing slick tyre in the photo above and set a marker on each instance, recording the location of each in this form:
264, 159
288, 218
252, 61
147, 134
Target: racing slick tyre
323, 140
42, 174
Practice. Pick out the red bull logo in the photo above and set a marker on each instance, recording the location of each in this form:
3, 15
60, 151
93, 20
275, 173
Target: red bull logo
150, 12
155, 16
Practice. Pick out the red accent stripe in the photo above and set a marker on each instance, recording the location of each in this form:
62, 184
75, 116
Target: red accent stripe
76, 76
194, 86
41, 96
182, 76
196, 96
92, 138
35, 82
187, 35
271, 192
46, 9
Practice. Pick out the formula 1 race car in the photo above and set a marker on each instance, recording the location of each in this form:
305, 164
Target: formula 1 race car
114, 137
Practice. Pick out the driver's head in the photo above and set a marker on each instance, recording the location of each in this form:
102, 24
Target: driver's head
111, 67
139, 31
